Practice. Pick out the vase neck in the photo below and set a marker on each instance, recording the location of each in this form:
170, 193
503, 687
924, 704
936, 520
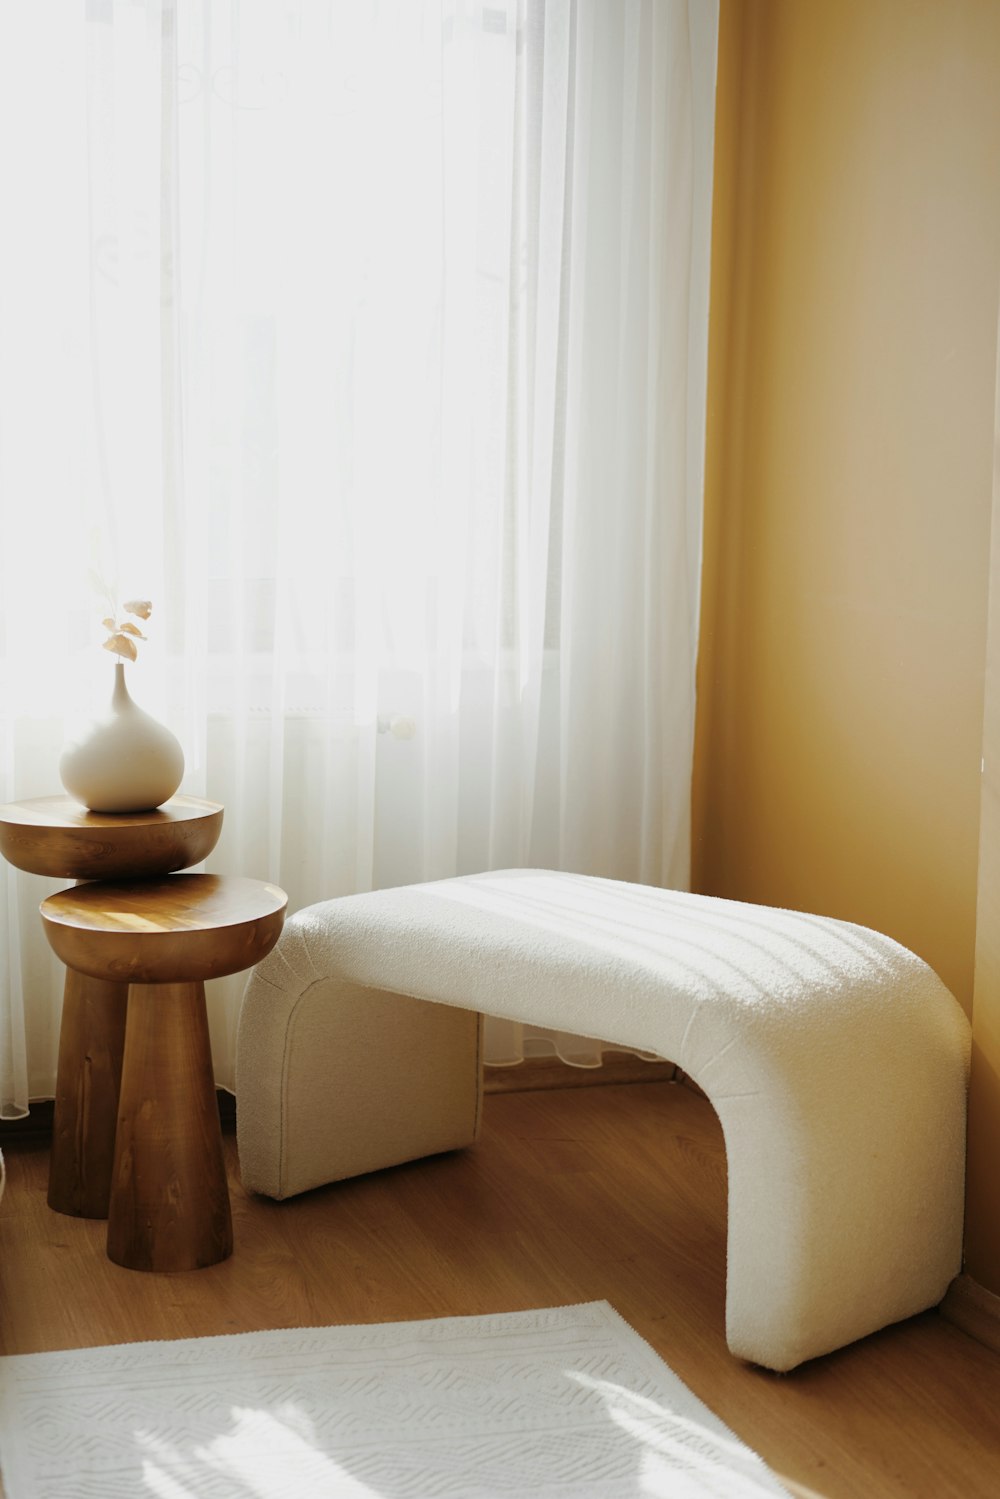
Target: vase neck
120, 696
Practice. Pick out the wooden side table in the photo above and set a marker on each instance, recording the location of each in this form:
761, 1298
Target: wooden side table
56, 836
169, 1205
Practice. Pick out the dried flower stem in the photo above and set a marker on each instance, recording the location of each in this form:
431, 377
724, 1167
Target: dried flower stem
122, 633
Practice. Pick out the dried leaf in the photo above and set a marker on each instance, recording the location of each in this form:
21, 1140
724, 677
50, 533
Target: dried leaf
131, 629
122, 646
108, 623
141, 608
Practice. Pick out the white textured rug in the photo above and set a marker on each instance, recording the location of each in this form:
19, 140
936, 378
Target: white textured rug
567, 1402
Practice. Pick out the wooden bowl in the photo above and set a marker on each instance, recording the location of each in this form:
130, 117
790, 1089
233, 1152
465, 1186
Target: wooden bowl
55, 835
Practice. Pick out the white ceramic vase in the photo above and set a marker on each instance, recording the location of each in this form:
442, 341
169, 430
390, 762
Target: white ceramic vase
124, 761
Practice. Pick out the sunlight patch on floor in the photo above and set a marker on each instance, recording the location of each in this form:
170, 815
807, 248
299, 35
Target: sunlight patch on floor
270, 1454
682, 1457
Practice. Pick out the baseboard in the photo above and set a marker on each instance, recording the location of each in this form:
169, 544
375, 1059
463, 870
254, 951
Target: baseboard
529, 1076
227, 1110
974, 1309
37, 1123
535, 1073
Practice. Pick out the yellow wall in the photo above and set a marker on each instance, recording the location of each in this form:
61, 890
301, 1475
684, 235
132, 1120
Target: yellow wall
856, 269
982, 1224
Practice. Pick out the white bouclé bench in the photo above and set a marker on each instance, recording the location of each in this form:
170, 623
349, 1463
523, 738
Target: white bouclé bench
835, 1059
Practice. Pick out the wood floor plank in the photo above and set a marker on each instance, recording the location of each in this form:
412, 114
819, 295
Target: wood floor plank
614, 1193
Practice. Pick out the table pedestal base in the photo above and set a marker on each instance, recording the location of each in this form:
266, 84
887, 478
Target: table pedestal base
169, 1205
91, 1042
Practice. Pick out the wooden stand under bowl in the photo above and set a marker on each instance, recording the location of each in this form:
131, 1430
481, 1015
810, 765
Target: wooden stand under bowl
169, 1199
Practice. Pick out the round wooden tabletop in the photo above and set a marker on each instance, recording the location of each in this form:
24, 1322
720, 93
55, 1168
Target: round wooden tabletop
55, 835
175, 930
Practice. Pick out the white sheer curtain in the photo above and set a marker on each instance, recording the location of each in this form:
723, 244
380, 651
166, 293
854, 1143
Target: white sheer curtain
368, 341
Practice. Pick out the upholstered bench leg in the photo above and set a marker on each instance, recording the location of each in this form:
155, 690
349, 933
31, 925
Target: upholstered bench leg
845, 1197
365, 1079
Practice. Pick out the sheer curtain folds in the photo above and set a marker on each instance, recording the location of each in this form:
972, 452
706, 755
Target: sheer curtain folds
367, 340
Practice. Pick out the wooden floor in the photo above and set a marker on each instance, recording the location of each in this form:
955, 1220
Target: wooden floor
614, 1193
